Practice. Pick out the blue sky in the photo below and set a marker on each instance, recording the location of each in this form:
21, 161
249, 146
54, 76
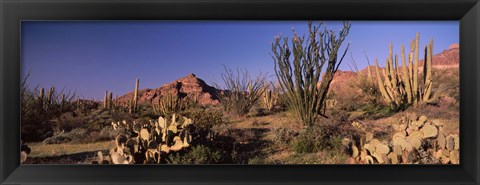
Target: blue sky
89, 57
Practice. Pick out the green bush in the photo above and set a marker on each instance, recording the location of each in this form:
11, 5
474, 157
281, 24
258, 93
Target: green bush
38, 108
241, 91
257, 160
108, 132
319, 138
304, 144
199, 154
64, 137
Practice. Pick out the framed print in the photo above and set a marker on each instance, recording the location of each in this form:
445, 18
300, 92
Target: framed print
240, 92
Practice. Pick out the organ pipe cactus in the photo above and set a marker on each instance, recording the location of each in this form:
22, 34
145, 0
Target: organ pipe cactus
168, 104
402, 86
269, 99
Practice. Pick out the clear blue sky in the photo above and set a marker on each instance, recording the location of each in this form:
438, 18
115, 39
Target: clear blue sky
89, 57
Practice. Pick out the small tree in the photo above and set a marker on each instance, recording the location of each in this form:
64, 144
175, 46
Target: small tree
300, 78
241, 91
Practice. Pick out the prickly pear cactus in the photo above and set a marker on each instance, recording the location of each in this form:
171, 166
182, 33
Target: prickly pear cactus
417, 140
150, 142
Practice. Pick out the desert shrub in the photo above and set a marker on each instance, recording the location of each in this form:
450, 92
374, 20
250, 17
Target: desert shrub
319, 138
68, 121
93, 137
97, 124
368, 90
300, 78
283, 136
257, 160
304, 144
199, 154
374, 111
241, 91
110, 133
65, 137
85, 106
205, 117
149, 114
38, 108
202, 131
448, 83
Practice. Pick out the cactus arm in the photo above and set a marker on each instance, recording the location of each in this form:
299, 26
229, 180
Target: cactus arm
406, 78
415, 70
381, 86
135, 96
428, 71
393, 79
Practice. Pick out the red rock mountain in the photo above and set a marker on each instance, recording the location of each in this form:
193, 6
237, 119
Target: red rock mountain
448, 58
189, 86
193, 87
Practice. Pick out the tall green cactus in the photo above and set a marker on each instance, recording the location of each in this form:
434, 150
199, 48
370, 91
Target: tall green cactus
404, 88
110, 105
135, 96
168, 104
269, 99
105, 100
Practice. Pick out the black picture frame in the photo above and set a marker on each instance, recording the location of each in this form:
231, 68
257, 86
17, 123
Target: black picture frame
12, 12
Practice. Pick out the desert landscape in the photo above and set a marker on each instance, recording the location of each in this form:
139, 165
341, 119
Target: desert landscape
400, 110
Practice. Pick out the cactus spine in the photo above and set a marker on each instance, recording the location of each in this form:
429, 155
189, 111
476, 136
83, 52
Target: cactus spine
403, 88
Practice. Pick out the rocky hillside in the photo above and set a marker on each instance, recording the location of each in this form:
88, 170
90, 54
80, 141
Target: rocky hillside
189, 86
195, 88
448, 58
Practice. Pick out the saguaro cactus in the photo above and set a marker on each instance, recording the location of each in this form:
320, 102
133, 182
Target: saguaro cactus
110, 105
105, 100
404, 88
135, 95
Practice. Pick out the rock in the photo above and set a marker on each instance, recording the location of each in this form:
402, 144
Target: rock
190, 87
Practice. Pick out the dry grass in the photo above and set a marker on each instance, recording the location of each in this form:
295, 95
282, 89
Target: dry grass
44, 150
